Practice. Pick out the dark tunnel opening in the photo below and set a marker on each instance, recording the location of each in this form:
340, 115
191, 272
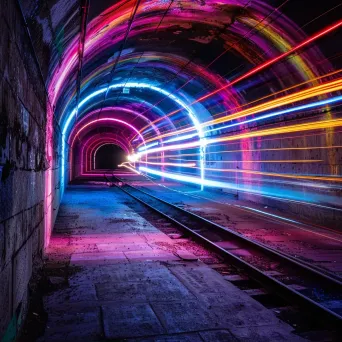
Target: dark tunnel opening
109, 157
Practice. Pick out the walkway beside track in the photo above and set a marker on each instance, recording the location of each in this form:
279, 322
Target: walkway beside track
114, 276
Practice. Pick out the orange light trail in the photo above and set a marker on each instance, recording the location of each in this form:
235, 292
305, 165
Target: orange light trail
271, 174
266, 64
172, 164
283, 130
255, 161
249, 150
283, 91
289, 99
260, 133
255, 101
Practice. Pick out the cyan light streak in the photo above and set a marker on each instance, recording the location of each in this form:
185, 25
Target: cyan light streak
145, 147
285, 111
138, 85
268, 214
183, 137
266, 191
210, 141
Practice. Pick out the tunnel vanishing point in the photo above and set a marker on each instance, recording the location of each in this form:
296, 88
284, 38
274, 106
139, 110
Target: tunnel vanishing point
234, 102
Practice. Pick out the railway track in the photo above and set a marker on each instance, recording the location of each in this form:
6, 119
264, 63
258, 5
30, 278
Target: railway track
296, 282
228, 213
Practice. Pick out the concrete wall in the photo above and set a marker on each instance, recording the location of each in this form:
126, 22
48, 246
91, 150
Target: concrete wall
22, 168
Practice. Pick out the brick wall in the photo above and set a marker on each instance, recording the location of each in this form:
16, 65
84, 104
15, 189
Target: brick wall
22, 168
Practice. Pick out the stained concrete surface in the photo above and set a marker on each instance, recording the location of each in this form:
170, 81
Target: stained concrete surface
117, 284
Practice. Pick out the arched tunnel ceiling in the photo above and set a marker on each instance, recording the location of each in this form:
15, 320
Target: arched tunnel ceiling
169, 43
176, 65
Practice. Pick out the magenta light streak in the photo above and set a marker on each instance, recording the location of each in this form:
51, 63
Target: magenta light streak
117, 109
48, 218
93, 140
108, 136
79, 130
94, 151
87, 156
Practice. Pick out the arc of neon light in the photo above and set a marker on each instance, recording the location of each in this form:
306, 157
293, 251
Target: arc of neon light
121, 109
267, 63
97, 148
105, 142
155, 128
108, 141
105, 119
84, 155
93, 140
275, 59
91, 143
87, 125
192, 116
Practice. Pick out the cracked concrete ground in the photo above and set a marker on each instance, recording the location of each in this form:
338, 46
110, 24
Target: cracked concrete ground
112, 281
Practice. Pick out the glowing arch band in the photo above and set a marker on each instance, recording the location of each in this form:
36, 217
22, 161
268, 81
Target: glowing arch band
192, 116
89, 124
98, 147
106, 119
88, 155
89, 144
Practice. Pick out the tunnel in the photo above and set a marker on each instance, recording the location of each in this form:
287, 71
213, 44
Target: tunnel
170, 170
108, 156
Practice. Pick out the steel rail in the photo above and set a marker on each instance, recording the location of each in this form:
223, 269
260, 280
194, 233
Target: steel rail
268, 282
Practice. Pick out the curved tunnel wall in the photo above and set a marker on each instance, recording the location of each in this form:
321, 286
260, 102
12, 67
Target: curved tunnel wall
265, 130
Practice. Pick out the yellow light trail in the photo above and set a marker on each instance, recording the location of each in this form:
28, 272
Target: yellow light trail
190, 164
258, 133
250, 150
289, 99
258, 100
255, 161
283, 130
282, 175
283, 91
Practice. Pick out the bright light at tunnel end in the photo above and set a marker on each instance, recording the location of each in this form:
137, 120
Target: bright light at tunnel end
133, 158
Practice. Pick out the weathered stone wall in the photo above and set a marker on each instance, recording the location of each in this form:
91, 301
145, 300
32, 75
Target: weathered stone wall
22, 167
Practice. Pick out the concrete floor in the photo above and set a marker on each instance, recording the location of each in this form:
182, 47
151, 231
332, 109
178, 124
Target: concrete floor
117, 277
